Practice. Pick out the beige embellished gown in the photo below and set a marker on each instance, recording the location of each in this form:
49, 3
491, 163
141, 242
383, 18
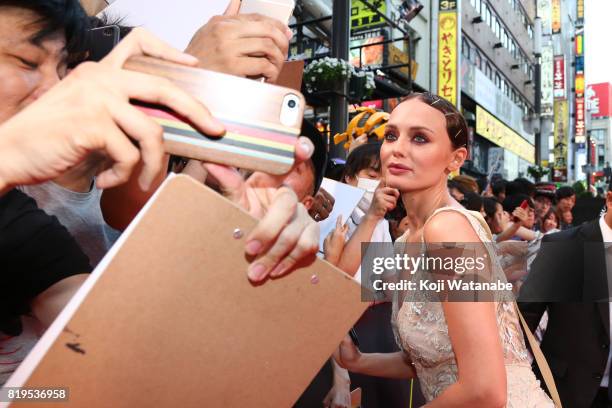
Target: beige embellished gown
421, 330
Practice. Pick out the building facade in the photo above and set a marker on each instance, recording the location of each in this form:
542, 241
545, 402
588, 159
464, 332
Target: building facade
498, 84
567, 152
599, 114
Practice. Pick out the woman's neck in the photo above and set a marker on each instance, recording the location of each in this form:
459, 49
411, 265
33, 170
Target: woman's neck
421, 204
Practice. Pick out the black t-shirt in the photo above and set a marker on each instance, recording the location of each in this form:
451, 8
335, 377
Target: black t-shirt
36, 251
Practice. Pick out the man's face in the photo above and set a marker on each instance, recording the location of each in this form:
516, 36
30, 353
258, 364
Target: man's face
567, 203
531, 218
542, 205
27, 70
301, 180
568, 217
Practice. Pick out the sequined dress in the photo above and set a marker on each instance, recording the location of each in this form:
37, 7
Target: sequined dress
421, 330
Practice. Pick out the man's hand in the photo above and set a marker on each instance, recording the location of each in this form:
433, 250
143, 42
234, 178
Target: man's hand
89, 111
285, 236
520, 215
322, 205
246, 45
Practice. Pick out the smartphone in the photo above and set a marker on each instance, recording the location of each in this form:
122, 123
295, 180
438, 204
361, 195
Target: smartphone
524, 205
262, 121
280, 10
101, 41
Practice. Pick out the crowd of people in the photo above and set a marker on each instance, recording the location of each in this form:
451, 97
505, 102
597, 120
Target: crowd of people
78, 161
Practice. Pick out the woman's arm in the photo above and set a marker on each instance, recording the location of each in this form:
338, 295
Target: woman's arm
481, 380
351, 255
388, 365
526, 234
385, 199
473, 332
339, 396
508, 232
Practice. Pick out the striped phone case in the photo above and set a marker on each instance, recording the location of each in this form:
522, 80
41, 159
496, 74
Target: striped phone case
255, 138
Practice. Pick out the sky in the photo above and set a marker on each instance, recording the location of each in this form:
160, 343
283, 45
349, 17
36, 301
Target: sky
597, 41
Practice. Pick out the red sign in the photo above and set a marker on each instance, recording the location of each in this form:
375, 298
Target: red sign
559, 77
598, 97
376, 104
580, 131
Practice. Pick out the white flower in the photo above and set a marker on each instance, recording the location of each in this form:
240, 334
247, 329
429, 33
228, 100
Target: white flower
320, 70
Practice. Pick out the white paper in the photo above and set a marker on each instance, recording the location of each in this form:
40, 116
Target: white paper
369, 185
174, 21
346, 198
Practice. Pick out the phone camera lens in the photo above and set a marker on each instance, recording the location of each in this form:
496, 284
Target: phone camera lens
291, 103
108, 32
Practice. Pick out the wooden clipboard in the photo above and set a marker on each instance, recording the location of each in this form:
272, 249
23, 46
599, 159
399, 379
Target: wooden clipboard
169, 318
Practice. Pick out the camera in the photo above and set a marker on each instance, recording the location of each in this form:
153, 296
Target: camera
290, 111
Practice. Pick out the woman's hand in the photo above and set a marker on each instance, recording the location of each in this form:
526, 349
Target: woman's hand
348, 355
334, 242
384, 200
339, 396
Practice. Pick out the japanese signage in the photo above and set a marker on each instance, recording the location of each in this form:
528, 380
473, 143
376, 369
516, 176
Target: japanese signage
580, 135
561, 118
556, 16
447, 51
559, 77
477, 86
579, 12
579, 122
579, 84
363, 18
579, 44
547, 79
448, 5
598, 97
489, 127
545, 15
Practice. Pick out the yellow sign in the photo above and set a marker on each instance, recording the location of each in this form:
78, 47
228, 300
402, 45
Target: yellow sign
362, 17
579, 12
556, 16
560, 138
491, 128
447, 56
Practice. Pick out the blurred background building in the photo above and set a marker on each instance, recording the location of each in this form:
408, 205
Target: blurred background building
515, 68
